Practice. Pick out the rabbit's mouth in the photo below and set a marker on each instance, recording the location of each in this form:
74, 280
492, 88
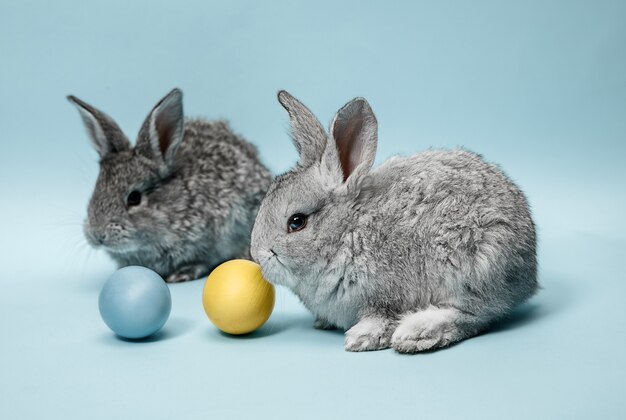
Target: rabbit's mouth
113, 246
274, 270
121, 248
269, 258
115, 238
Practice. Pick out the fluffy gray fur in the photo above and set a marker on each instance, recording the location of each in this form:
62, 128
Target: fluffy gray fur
200, 184
416, 254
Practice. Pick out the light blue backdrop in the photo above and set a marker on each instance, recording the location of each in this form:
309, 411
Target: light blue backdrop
539, 87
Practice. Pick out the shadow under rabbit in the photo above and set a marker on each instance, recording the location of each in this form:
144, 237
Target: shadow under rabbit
277, 324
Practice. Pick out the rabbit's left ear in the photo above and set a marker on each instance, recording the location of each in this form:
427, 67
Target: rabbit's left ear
163, 130
104, 133
355, 133
306, 131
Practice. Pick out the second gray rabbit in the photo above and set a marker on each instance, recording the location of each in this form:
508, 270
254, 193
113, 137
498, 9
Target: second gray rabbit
416, 254
182, 200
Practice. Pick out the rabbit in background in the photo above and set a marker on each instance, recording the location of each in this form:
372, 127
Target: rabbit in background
182, 200
416, 254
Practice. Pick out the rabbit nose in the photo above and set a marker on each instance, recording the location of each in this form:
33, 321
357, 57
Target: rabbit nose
99, 237
95, 237
253, 254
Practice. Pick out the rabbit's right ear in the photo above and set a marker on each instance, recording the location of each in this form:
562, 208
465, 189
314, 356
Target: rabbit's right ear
104, 133
164, 129
355, 133
307, 133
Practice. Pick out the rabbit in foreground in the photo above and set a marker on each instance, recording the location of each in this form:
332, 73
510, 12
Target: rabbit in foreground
416, 254
181, 201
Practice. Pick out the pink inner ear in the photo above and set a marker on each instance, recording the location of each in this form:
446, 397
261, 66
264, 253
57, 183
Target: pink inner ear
349, 144
165, 130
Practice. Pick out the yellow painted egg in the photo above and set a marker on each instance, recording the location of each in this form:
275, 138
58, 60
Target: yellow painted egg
236, 297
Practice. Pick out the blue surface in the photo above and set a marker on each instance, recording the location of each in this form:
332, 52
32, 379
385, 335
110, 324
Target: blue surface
135, 302
539, 87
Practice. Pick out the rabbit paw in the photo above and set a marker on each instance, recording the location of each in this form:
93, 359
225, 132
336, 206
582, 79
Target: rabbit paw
188, 272
426, 330
369, 334
322, 324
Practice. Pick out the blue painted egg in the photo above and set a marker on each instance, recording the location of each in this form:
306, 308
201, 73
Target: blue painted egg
135, 302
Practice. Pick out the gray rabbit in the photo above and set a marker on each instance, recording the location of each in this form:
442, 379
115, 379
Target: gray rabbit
416, 254
181, 201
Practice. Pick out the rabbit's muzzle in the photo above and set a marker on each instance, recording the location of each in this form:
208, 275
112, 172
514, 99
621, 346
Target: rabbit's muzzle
111, 235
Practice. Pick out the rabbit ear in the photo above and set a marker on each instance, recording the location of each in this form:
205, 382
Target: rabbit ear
163, 130
104, 133
306, 131
355, 132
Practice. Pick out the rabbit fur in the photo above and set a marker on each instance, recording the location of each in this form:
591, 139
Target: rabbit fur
416, 254
182, 200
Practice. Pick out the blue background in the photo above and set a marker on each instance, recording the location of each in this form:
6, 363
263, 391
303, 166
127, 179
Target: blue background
539, 87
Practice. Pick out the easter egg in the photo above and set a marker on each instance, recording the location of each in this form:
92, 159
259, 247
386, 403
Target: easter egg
236, 297
135, 302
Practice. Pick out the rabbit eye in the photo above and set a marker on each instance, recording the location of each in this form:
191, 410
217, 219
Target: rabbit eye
296, 222
133, 199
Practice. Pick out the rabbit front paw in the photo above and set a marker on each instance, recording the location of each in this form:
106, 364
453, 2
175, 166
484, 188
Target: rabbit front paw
322, 324
426, 330
188, 272
178, 277
369, 334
